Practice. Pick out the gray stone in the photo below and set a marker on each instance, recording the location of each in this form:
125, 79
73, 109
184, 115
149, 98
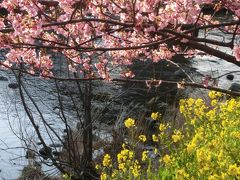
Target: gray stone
230, 77
2, 78
235, 87
13, 85
45, 152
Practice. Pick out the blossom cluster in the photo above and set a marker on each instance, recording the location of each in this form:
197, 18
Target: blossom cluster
91, 29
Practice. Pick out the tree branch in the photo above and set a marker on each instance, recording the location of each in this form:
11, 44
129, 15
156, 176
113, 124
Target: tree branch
212, 51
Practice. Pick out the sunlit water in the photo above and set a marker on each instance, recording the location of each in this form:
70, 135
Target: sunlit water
216, 67
10, 155
14, 124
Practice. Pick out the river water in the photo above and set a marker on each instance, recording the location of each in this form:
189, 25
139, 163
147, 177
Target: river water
10, 158
216, 67
14, 123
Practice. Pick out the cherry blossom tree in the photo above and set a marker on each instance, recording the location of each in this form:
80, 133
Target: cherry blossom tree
98, 36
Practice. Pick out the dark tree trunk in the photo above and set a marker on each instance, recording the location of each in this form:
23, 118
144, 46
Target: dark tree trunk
87, 131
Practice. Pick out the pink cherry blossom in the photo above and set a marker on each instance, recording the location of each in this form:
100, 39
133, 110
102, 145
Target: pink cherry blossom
236, 51
2, 25
121, 30
128, 74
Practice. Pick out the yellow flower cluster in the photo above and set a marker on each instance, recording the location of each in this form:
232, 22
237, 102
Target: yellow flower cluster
154, 138
124, 156
206, 147
144, 155
212, 141
107, 162
234, 170
135, 169
103, 176
129, 122
167, 160
142, 138
163, 127
215, 94
154, 116
126, 161
177, 136
182, 174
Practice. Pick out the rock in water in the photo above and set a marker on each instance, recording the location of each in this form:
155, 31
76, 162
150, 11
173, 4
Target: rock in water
2, 78
45, 152
230, 77
13, 85
235, 87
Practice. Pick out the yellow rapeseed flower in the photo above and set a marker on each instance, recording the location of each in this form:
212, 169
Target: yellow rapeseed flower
193, 121
182, 102
190, 102
214, 102
177, 136
107, 162
122, 167
129, 122
235, 134
191, 147
233, 170
212, 94
142, 138
231, 105
154, 116
114, 174
181, 174
162, 127
167, 160
135, 169
199, 102
182, 109
66, 176
125, 155
144, 155
154, 138
224, 175
103, 176
214, 177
